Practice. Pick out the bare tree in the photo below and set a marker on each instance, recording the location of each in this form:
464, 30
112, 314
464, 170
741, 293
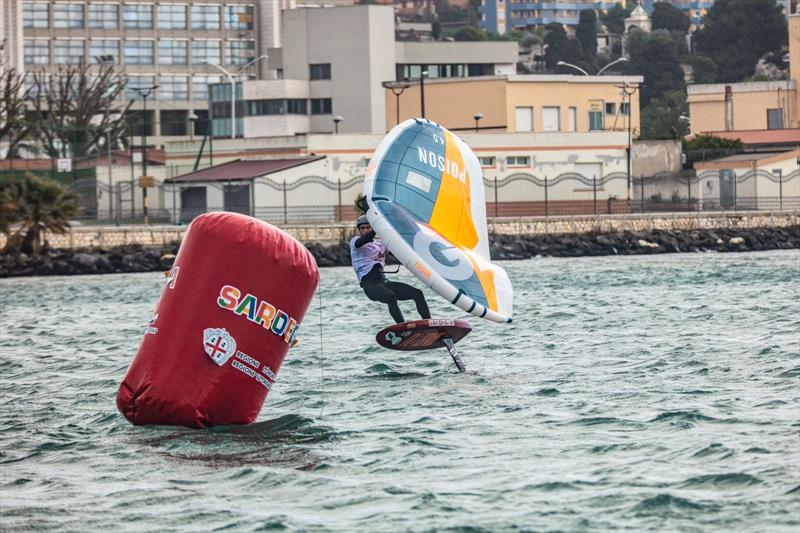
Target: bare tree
15, 130
75, 110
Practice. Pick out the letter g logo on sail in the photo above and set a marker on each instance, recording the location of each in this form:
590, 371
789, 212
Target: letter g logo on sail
449, 261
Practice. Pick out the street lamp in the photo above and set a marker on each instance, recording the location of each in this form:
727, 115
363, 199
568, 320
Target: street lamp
336, 120
108, 60
144, 92
599, 72
477, 117
629, 91
192, 118
397, 88
233, 87
570, 65
618, 60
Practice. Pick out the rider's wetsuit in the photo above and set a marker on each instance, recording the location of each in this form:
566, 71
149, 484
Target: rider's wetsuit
369, 258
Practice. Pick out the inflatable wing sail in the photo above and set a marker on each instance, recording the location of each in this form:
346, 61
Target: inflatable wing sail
424, 188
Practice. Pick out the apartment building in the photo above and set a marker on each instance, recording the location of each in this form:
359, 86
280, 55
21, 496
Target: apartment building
11, 36
332, 66
501, 16
170, 44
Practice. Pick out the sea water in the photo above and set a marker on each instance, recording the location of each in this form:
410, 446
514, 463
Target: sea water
657, 392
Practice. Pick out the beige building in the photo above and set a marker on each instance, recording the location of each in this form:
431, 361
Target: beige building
11, 36
758, 181
751, 105
523, 103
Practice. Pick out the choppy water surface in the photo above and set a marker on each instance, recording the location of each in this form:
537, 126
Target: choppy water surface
629, 393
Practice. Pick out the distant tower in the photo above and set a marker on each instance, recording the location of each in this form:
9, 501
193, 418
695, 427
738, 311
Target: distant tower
638, 19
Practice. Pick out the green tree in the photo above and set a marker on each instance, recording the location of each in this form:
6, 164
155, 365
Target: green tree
705, 70
573, 53
655, 56
614, 17
736, 33
586, 33
668, 17
662, 118
38, 206
470, 33
555, 40
706, 147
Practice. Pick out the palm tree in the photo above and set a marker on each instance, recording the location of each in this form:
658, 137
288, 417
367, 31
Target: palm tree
39, 206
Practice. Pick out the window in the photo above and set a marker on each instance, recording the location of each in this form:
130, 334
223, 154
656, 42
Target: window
138, 52
173, 88
551, 119
239, 52
266, 107
774, 119
297, 106
68, 16
104, 47
292, 106
206, 52
173, 52
137, 16
37, 51
518, 161
172, 17
595, 120
524, 119
624, 108
321, 106
35, 15
573, 119
138, 82
486, 161
200, 86
103, 17
69, 51
611, 108
238, 17
174, 122
205, 17
320, 71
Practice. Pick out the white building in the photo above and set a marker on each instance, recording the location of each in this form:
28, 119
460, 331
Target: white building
333, 62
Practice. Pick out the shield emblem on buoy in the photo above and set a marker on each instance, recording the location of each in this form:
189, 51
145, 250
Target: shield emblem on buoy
219, 345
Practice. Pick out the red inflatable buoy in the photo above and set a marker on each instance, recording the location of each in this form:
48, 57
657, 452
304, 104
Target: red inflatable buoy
228, 313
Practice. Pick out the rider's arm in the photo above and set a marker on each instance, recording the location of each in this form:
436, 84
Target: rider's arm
364, 239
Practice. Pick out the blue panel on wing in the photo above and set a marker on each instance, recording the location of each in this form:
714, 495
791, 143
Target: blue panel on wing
426, 160
399, 219
395, 153
385, 180
407, 137
415, 201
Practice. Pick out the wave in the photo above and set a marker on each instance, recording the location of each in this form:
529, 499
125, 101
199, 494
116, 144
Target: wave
732, 480
666, 504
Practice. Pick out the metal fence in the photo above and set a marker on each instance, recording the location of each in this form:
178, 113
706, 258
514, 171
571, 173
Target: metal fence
316, 199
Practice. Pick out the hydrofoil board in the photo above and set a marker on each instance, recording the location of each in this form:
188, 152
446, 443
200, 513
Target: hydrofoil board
426, 335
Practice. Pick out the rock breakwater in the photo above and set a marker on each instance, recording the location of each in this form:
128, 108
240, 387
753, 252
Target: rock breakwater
137, 258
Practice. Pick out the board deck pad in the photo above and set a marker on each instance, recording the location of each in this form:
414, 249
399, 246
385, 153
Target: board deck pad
422, 334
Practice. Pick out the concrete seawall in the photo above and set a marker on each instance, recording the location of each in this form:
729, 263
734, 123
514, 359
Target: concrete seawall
84, 236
